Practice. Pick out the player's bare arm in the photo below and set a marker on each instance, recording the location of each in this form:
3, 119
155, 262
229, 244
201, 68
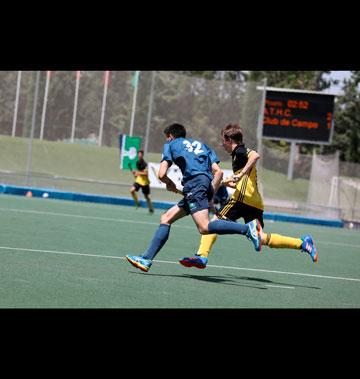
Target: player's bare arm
229, 182
162, 175
218, 176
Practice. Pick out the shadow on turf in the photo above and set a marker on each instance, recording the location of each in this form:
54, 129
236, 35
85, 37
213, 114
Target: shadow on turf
271, 282
205, 278
228, 280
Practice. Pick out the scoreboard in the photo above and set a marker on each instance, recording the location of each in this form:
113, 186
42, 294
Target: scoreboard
298, 116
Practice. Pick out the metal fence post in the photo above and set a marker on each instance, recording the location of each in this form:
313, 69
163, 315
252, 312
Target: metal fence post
150, 111
48, 73
75, 105
16, 103
106, 83
29, 160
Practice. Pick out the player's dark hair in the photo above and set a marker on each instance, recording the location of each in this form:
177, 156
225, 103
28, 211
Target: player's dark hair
141, 151
176, 130
232, 131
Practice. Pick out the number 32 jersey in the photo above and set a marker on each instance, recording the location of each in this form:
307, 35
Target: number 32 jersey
193, 157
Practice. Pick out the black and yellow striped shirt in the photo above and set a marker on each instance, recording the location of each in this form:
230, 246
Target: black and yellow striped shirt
247, 191
143, 180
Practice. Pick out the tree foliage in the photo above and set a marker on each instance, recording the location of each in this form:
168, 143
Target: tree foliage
347, 120
203, 105
305, 80
203, 100
302, 80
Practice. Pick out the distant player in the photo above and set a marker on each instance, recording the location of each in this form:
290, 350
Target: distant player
246, 202
201, 178
141, 181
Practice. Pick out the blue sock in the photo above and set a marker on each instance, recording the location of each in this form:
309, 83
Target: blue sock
160, 237
227, 227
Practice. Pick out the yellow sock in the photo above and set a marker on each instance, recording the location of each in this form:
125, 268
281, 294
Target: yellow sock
282, 242
206, 244
149, 203
135, 197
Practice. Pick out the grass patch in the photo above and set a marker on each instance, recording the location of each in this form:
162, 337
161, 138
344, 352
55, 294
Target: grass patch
102, 163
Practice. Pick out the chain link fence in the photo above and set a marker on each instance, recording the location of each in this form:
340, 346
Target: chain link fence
74, 110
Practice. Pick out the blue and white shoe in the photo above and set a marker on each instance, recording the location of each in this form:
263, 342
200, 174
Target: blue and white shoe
195, 261
308, 246
253, 233
139, 262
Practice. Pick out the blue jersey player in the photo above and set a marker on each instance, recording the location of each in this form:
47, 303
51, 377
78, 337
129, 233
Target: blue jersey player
201, 179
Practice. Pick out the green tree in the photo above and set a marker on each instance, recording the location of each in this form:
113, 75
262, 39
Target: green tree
203, 105
302, 80
239, 76
8, 81
347, 121
306, 80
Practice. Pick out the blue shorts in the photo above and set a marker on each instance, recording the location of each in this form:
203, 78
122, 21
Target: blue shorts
198, 192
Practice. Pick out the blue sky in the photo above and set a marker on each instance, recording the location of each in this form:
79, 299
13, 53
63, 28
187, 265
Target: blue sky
339, 75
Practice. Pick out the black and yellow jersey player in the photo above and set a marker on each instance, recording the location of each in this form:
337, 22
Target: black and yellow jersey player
141, 181
246, 202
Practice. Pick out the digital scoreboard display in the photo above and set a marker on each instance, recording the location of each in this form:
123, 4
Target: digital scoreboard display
293, 115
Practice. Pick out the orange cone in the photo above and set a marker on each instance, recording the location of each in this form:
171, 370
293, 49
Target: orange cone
28, 194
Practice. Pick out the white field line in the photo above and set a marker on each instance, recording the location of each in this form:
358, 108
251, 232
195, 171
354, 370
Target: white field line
140, 222
87, 217
170, 262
